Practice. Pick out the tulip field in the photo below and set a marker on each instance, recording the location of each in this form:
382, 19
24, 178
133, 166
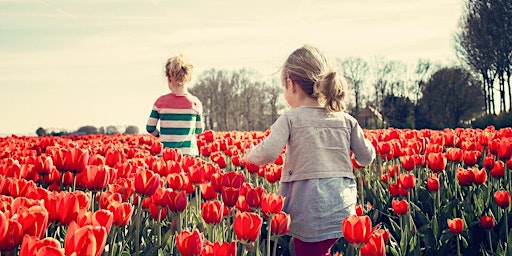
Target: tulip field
428, 192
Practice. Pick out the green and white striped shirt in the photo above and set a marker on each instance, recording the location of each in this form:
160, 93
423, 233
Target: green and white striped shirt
181, 118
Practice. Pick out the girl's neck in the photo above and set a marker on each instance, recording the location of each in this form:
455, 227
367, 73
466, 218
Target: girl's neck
179, 91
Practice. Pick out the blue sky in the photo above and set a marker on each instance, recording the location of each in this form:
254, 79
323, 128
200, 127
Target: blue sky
66, 64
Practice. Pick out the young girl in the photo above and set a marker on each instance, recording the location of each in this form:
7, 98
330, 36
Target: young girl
180, 113
317, 179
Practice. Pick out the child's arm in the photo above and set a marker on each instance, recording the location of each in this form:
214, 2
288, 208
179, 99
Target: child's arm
270, 148
364, 152
153, 121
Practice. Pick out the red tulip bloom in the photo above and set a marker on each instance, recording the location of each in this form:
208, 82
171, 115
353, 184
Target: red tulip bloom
357, 230
359, 210
465, 176
247, 226
401, 207
407, 181
433, 183
156, 147
101, 217
75, 160
487, 221
272, 203
489, 161
505, 148
396, 190
407, 162
273, 173
498, 171
32, 246
454, 154
34, 220
374, 247
242, 205
86, 240
219, 249
4, 224
252, 168
173, 154
233, 179
207, 191
436, 162
456, 225
190, 243
280, 224
502, 198
471, 157
212, 211
178, 201
146, 182
95, 177
509, 163
254, 196
122, 212
14, 234
230, 196
480, 176
43, 165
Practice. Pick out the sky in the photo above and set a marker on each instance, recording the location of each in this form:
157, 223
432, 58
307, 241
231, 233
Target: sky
66, 64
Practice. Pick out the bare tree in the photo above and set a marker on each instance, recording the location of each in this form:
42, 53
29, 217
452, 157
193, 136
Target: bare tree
356, 72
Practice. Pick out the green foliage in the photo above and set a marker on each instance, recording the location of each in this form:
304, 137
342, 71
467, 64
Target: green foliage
498, 121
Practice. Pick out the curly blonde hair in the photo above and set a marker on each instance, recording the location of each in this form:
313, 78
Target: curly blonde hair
179, 68
317, 76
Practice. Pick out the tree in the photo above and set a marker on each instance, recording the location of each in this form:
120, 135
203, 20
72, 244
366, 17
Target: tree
355, 71
88, 129
131, 129
236, 100
450, 96
110, 130
398, 111
41, 132
485, 44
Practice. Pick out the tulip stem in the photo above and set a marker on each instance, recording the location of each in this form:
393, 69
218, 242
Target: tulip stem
113, 241
490, 241
458, 245
269, 233
137, 226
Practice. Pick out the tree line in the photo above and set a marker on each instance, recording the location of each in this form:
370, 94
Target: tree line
89, 129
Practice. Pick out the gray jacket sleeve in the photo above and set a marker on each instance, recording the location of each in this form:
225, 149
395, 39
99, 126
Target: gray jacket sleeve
364, 152
270, 148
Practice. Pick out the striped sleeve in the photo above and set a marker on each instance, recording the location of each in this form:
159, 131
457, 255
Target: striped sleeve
153, 121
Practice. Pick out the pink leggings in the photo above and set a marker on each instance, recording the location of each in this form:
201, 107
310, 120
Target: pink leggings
322, 248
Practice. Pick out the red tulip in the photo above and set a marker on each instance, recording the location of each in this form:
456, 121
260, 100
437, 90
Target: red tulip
230, 196
401, 207
254, 196
212, 211
34, 220
247, 226
407, 162
498, 171
509, 163
43, 165
173, 154
102, 217
454, 154
146, 182
489, 161
207, 191
480, 176
359, 210
242, 205
433, 183
273, 173
374, 247
233, 179
32, 246
505, 148
407, 181
4, 224
75, 160
13, 237
502, 198
178, 201
456, 225
272, 203
219, 249
190, 243
122, 212
487, 221
465, 176
86, 240
357, 230
471, 157
280, 224
436, 162
95, 177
